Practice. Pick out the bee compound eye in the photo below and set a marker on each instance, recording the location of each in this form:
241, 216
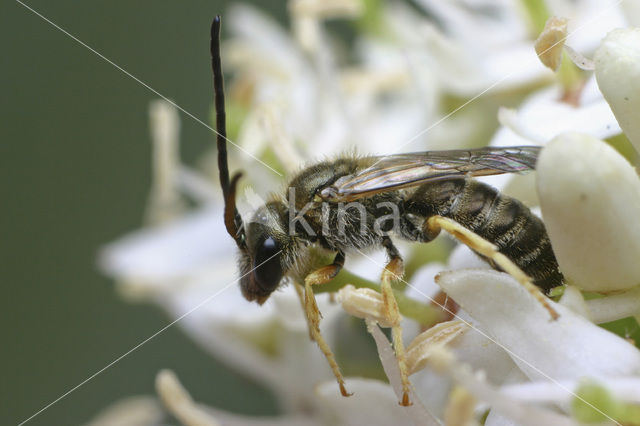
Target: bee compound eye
268, 271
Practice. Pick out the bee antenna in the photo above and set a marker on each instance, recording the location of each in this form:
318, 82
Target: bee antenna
232, 219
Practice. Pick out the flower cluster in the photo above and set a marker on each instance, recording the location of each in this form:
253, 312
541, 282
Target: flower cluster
449, 75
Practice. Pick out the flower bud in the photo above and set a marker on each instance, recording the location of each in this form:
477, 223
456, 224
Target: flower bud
617, 63
590, 200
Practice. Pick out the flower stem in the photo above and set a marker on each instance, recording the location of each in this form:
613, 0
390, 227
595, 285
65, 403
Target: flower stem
571, 79
538, 13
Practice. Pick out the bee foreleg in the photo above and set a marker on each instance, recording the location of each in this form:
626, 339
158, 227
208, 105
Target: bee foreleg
483, 247
318, 277
326, 273
394, 272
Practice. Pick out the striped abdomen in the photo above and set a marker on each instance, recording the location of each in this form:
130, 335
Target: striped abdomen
502, 220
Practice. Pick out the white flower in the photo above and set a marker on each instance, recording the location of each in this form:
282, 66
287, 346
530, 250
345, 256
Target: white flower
550, 351
545, 115
568, 348
617, 63
298, 102
493, 40
590, 198
589, 20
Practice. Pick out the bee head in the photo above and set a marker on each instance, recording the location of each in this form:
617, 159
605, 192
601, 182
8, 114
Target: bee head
262, 263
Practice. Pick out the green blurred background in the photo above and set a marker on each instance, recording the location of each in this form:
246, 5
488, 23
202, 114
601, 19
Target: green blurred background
75, 167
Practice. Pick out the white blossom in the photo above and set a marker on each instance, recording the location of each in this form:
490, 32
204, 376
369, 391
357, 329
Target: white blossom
617, 63
590, 198
301, 102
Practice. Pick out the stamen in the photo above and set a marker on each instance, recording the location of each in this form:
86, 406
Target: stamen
164, 200
551, 41
178, 401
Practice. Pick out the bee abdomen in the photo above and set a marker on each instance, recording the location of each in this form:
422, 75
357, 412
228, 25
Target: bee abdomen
502, 220
510, 225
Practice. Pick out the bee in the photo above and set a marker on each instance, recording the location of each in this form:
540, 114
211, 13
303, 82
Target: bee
357, 203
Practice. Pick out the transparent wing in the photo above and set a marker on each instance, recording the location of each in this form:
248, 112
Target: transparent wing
392, 172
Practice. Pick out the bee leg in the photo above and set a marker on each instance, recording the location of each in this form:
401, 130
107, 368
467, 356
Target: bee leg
393, 272
483, 247
317, 277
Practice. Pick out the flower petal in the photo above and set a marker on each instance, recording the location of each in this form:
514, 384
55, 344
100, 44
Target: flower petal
617, 306
574, 300
544, 116
589, 20
568, 348
618, 74
496, 418
372, 403
590, 199
473, 349
417, 412
525, 414
171, 251
625, 389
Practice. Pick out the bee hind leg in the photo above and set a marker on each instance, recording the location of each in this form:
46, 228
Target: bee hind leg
318, 277
483, 247
393, 272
